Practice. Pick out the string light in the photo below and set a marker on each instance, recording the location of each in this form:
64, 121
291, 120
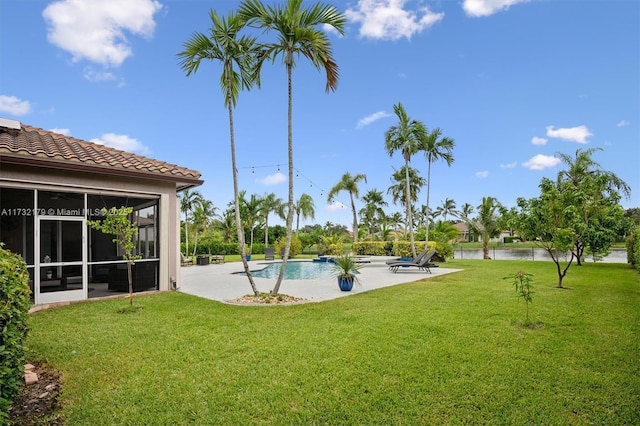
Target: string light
298, 175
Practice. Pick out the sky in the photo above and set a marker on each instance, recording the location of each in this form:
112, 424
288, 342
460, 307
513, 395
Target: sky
512, 82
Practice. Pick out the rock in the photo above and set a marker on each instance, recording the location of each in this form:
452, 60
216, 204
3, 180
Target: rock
30, 378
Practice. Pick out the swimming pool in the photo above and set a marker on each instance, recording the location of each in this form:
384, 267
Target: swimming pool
296, 271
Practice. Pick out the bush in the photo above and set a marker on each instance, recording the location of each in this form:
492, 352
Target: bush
14, 308
633, 248
403, 248
294, 250
370, 248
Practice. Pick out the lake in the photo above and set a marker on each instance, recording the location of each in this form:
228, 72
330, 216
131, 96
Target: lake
531, 253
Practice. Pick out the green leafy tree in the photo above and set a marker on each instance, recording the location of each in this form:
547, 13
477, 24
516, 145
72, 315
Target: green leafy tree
116, 222
297, 34
240, 58
372, 214
595, 195
349, 183
250, 212
405, 137
435, 147
550, 221
203, 216
523, 284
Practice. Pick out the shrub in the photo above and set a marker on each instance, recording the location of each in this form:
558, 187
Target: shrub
633, 248
403, 248
294, 250
14, 308
370, 248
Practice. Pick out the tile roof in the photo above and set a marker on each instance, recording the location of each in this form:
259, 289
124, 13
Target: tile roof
42, 147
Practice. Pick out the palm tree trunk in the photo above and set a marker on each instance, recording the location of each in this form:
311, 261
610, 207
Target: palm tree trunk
239, 230
287, 246
355, 219
186, 233
426, 238
266, 230
407, 200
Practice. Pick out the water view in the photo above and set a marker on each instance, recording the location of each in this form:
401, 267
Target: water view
616, 255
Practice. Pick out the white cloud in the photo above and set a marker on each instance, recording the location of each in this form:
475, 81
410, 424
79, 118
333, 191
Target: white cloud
336, 206
389, 20
98, 76
479, 8
121, 142
538, 141
273, 179
65, 132
482, 174
574, 134
541, 162
511, 165
371, 118
95, 29
14, 106
623, 123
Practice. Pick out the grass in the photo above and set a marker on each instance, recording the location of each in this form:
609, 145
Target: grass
451, 349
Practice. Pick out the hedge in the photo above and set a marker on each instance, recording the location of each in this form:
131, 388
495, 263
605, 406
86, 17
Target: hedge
633, 248
15, 302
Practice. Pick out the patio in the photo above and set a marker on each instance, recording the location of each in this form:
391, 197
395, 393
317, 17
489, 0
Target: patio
218, 282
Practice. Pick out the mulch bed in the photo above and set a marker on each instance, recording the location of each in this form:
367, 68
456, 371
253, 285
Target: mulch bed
37, 404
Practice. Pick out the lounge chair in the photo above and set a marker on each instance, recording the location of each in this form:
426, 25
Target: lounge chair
416, 259
185, 261
269, 253
422, 265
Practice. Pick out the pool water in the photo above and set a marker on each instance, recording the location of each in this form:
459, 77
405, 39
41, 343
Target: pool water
296, 271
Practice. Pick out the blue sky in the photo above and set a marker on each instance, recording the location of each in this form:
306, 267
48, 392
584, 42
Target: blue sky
512, 82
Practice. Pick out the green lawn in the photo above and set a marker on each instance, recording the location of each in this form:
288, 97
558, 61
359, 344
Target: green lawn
451, 349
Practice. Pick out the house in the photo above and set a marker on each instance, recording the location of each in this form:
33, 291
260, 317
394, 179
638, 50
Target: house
52, 184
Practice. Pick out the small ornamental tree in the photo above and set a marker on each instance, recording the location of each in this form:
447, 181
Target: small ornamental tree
116, 222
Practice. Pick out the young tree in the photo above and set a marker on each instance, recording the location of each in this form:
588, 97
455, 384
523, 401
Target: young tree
550, 220
405, 137
224, 46
349, 183
297, 34
116, 222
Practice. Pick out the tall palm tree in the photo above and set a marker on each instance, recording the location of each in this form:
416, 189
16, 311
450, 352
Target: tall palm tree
405, 137
297, 34
304, 207
349, 183
583, 165
188, 202
435, 148
240, 58
270, 204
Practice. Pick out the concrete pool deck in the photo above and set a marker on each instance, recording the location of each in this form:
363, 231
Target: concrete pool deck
218, 281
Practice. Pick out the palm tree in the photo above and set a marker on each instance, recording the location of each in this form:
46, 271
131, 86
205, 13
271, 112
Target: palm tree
304, 207
373, 213
349, 183
227, 224
270, 203
297, 34
398, 190
583, 165
435, 148
405, 137
250, 212
486, 223
202, 217
188, 202
448, 207
244, 53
